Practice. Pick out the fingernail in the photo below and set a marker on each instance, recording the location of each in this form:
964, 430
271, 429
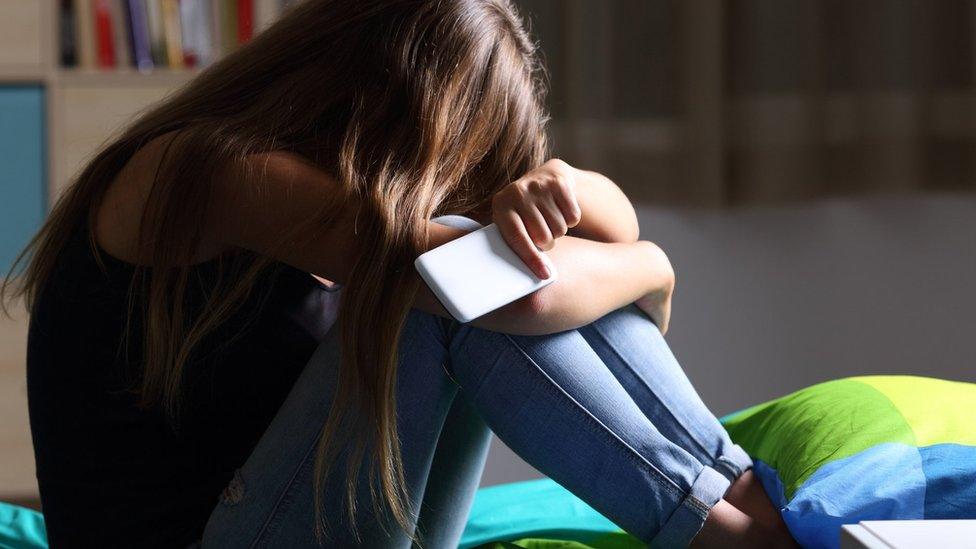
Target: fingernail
545, 271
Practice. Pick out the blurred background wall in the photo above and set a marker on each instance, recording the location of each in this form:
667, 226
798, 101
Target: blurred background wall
807, 164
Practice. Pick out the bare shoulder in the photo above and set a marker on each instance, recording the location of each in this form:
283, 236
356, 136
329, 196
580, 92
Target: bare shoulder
278, 190
120, 212
291, 209
279, 186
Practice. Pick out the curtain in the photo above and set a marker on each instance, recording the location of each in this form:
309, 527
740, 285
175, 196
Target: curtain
727, 102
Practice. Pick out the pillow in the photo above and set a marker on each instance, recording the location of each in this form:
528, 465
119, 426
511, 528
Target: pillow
864, 448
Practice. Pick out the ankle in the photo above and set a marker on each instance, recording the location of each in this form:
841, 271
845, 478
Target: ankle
727, 526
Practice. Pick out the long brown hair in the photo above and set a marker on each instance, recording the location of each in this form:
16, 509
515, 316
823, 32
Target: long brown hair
418, 107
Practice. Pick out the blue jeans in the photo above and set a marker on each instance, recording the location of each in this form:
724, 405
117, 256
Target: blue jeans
605, 410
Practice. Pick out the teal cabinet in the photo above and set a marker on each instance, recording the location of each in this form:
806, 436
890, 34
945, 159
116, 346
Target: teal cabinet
22, 169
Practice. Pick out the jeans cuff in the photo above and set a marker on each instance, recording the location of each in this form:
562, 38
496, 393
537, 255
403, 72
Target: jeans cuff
733, 462
685, 522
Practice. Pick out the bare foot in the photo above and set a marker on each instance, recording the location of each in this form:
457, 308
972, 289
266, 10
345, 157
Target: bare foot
748, 495
727, 526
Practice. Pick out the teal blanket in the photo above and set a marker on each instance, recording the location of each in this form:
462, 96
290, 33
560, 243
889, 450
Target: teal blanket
21, 528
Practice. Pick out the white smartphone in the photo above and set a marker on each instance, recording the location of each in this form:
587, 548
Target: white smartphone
478, 273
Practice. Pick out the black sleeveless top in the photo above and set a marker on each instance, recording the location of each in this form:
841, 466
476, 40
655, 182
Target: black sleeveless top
114, 474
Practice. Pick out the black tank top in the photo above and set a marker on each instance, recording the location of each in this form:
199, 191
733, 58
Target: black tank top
114, 474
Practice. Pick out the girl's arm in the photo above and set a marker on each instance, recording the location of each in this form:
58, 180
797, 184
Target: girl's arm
557, 199
608, 215
594, 278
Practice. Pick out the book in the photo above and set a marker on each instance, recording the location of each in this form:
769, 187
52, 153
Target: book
216, 21
139, 33
85, 33
173, 33
245, 20
197, 24
149, 34
104, 33
228, 25
157, 36
67, 38
120, 34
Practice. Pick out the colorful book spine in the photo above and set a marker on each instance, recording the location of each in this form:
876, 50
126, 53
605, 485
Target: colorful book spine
197, 21
173, 33
216, 20
120, 30
149, 34
245, 20
104, 33
206, 31
157, 35
67, 36
228, 26
188, 22
85, 33
139, 31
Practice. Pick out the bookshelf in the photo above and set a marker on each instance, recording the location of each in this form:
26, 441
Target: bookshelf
74, 110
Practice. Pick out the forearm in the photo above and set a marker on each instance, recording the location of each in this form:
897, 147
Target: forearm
607, 214
594, 278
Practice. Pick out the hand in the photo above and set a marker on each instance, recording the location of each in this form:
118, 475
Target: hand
657, 304
536, 209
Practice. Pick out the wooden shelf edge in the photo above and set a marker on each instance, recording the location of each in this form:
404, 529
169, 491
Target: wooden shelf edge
122, 77
27, 74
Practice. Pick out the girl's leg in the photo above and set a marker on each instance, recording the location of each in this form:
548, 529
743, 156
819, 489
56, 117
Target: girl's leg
454, 476
270, 502
550, 398
555, 403
635, 352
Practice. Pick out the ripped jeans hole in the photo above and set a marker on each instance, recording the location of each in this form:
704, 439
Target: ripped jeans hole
234, 492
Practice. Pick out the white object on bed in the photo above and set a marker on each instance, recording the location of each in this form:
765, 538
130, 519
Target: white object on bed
909, 534
478, 273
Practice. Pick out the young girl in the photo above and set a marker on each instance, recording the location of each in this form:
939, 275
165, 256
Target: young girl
186, 380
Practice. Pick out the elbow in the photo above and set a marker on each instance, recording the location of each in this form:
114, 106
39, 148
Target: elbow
531, 315
631, 229
631, 233
535, 305
660, 265
625, 231
531, 310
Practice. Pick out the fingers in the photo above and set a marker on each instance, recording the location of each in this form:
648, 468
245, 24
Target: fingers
565, 199
538, 226
555, 201
536, 210
513, 229
555, 221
